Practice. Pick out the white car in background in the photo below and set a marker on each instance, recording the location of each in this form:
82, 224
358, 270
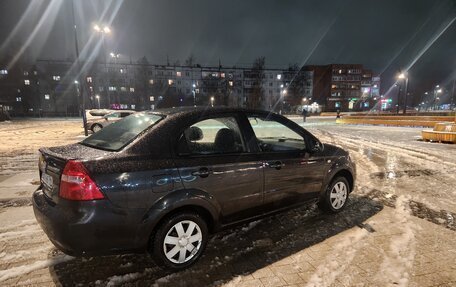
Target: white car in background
96, 123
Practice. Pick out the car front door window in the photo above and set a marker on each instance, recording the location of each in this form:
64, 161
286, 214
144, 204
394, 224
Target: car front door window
273, 136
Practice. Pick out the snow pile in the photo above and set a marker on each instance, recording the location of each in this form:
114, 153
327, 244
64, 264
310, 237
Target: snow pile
118, 280
25, 269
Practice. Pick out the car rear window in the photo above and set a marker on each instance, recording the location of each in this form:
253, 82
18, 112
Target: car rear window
117, 135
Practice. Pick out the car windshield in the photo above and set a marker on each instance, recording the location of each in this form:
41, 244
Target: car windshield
117, 135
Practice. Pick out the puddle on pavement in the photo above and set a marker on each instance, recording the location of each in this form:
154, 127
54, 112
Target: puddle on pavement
401, 173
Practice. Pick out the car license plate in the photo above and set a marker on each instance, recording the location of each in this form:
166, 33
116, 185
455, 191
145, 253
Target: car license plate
46, 179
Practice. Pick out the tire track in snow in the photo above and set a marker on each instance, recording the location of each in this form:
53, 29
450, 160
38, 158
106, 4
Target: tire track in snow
326, 273
398, 262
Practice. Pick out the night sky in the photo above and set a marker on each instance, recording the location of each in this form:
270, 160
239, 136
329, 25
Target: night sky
385, 36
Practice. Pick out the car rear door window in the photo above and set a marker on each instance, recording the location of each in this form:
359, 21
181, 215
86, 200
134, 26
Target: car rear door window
273, 136
212, 136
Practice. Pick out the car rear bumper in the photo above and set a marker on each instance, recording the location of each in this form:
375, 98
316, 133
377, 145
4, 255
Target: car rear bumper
89, 227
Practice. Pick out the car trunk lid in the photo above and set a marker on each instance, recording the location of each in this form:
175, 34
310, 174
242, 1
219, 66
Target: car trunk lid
52, 163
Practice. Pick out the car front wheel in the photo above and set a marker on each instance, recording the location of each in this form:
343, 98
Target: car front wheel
179, 241
96, 127
336, 195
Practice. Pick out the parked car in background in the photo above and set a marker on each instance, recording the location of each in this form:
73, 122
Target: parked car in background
162, 181
97, 123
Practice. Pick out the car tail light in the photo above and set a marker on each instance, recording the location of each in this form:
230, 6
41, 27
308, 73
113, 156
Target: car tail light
76, 183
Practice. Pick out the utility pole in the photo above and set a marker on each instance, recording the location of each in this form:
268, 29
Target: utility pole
78, 81
405, 95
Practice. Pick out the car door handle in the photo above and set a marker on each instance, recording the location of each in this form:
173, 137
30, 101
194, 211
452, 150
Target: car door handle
275, 164
202, 172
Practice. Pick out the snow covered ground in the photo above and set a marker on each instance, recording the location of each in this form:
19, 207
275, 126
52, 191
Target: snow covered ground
398, 229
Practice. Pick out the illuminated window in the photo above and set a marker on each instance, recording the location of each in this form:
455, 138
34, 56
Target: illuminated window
123, 71
279, 76
26, 82
230, 83
123, 89
197, 91
47, 97
56, 78
111, 88
152, 99
91, 88
3, 72
340, 71
18, 99
25, 73
178, 74
89, 79
222, 75
170, 82
151, 81
132, 89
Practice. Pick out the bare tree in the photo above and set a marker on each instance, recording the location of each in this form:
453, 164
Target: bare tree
190, 61
257, 92
143, 84
296, 80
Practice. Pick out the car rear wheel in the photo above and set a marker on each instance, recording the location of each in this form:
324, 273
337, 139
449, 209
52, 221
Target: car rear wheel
179, 241
336, 195
96, 127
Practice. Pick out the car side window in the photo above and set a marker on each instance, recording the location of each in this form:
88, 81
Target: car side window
212, 136
273, 136
113, 115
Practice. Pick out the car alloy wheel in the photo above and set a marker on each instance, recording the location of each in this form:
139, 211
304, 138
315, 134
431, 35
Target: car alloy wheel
338, 195
96, 128
182, 241
179, 240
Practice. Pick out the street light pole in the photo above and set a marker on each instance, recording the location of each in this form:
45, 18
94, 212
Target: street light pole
103, 32
78, 64
405, 95
403, 76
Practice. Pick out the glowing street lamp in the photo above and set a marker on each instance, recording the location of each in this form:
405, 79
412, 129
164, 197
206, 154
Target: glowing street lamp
98, 100
212, 101
437, 91
114, 55
105, 29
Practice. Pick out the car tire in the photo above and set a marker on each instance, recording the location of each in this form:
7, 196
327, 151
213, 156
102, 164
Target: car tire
335, 197
174, 245
96, 127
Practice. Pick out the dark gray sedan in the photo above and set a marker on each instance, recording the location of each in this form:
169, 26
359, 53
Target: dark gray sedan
163, 181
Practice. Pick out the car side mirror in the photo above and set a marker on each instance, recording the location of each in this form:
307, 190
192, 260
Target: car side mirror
317, 146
